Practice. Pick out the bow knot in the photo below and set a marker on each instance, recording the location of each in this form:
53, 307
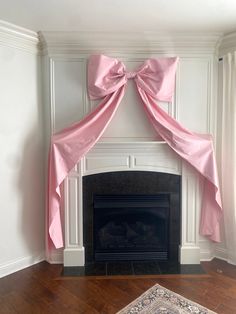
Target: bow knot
130, 75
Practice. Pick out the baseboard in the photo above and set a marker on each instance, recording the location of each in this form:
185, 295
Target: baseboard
189, 254
206, 256
55, 256
206, 250
20, 263
221, 253
74, 257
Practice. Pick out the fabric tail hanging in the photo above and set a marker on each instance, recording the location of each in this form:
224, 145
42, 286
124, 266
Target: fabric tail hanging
67, 148
198, 151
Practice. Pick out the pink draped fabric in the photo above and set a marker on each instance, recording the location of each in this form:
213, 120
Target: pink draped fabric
155, 80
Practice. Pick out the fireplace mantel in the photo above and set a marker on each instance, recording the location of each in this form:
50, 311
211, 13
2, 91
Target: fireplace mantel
124, 156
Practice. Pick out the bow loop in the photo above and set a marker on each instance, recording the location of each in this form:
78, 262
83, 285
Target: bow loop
157, 78
105, 76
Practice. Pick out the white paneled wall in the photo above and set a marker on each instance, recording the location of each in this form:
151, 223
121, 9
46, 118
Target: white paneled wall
128, 138
69, 97
193, 94
191, 103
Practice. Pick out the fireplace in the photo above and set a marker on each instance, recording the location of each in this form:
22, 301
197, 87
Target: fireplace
133, 169
131, 227
131, 215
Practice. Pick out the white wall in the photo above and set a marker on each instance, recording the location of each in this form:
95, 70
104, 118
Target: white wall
21, 152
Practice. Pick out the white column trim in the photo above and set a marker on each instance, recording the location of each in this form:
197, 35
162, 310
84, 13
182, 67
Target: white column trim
73, 203
191, 200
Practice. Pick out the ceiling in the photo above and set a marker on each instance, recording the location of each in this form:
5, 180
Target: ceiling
122, 15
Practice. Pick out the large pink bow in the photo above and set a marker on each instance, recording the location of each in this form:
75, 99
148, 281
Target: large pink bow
155, 76
155, 80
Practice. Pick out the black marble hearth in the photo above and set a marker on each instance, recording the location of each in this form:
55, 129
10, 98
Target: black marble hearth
135, 268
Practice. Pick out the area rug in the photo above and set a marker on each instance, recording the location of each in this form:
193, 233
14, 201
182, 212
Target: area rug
159, 300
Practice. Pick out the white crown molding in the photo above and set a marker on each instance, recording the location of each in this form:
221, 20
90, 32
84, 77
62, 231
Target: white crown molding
227, 44
61, 43
74, 43
18, 37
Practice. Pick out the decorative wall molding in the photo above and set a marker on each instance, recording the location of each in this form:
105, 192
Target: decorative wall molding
85, 103
52, 96
138, 43
208, 62
227, 44
18, 37
144, 156
175, 109
20, 263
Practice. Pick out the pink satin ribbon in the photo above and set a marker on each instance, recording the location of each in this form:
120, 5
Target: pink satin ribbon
155, 80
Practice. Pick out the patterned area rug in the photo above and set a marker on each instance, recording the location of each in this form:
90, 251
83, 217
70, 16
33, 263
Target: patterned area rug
159, 300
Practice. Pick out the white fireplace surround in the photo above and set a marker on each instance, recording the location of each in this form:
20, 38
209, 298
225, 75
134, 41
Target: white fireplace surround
146, 156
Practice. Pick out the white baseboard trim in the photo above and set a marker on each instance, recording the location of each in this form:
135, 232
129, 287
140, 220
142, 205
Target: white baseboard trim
55, 256
74, 256
221, 253
206, 256
189, 254
20, 263
206, 250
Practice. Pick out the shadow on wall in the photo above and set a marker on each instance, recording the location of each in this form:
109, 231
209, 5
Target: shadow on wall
31, 186
32, 180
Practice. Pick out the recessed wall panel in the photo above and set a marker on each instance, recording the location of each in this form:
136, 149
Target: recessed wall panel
69, 92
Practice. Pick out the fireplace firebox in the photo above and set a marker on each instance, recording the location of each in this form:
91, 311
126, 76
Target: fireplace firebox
131, 215
131, 227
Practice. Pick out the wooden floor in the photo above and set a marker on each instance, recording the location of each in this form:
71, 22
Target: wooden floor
40, 289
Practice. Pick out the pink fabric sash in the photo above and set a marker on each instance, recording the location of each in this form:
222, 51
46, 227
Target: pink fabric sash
155, 80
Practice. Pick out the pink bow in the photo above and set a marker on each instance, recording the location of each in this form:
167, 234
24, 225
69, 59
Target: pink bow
155, 76
155, 80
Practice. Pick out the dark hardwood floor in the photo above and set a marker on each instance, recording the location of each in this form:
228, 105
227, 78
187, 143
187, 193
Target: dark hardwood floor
41, 289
